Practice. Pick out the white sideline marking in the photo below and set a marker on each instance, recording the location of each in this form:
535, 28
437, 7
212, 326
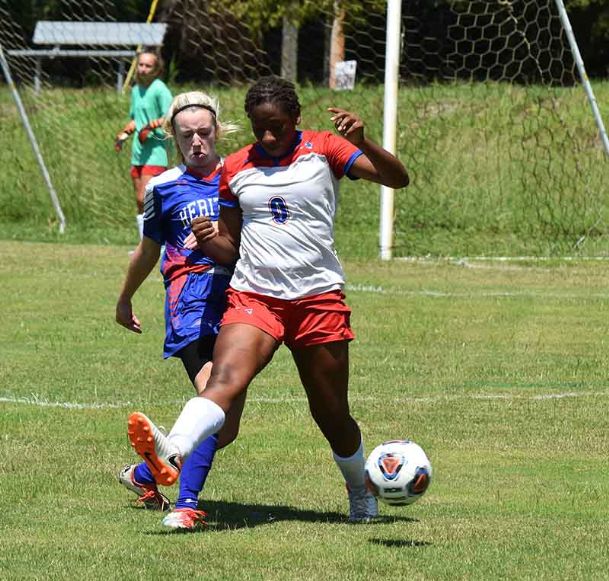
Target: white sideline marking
376, 289
35, 400
501, 258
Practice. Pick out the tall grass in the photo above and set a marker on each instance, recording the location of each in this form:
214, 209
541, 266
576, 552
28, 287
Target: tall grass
496, 168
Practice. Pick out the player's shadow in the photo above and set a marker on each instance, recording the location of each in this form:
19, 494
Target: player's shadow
236, 515
399, 543
223, 516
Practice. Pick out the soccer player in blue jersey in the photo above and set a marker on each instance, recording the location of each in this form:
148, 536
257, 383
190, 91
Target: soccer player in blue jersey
150, 99
195, 287
278, 197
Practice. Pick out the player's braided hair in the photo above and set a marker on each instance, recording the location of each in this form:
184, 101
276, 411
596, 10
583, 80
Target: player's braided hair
273, 89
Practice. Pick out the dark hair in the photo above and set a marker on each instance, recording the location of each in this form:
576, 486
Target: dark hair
275, 90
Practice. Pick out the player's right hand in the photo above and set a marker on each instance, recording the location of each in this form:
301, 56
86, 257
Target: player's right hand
120, 140
144, 133
203, 229
126, 318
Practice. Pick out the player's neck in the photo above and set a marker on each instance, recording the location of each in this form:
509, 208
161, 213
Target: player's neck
145, 81
207, 170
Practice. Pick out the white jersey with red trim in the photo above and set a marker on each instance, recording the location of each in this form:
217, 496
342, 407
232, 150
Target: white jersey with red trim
288, 206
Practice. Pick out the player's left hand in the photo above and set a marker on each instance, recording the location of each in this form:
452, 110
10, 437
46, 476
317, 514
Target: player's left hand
348, 125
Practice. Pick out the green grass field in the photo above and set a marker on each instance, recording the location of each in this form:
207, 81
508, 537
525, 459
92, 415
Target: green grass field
499, 370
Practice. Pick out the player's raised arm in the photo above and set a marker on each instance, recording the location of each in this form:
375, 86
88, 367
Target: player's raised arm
377, 164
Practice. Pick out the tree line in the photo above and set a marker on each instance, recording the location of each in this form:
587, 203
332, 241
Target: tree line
282, 25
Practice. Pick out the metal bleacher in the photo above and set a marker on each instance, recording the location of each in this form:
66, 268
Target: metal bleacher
59, 34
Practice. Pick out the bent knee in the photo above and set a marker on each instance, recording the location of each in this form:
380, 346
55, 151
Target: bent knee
226, 437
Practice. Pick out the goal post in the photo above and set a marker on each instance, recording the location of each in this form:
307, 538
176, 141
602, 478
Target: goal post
33, 142
390, 121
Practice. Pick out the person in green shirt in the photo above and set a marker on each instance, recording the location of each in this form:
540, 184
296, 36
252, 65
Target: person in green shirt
150, 101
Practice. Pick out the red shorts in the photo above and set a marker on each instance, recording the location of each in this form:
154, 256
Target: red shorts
137, 171
311, 320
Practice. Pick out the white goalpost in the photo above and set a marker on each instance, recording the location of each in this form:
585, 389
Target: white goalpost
390, 120
391, 92
33, 142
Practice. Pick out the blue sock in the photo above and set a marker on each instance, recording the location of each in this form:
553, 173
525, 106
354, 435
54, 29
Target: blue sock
143, 475
194, 472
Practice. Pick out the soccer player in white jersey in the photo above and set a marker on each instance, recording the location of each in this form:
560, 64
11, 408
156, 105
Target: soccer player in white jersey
195, 287
278, 200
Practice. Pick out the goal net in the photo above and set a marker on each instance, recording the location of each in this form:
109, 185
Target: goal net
506, 155
493, 123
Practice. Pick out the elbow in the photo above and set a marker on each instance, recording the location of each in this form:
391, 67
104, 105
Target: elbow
399, 177
400, 181
404, 182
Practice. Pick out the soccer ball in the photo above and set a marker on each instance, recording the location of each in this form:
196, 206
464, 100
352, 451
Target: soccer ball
398, 472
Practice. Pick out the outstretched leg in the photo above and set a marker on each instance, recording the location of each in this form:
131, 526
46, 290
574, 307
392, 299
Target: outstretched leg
241, 351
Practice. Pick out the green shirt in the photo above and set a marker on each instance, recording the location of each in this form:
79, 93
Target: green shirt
149, 103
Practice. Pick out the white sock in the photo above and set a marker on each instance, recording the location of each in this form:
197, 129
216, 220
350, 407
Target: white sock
140, 224
352, 468
200, 418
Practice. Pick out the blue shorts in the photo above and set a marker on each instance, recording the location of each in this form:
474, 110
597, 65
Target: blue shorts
194, 305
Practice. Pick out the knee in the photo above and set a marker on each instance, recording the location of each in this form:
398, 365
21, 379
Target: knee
331, 418
230, 430
225, 387
229, 377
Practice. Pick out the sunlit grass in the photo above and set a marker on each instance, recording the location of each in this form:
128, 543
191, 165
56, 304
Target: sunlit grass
498, 370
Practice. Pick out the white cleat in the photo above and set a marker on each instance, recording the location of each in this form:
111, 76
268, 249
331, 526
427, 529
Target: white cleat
187, 519
363, 506
148, 494
152, 445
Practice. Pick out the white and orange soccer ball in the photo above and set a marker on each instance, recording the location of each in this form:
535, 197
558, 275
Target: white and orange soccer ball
398, 472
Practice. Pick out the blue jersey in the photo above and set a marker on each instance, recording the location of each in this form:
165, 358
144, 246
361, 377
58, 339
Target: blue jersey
195, 285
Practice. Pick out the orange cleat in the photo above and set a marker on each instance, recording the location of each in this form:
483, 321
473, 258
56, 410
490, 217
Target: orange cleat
154, 447
187, 519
